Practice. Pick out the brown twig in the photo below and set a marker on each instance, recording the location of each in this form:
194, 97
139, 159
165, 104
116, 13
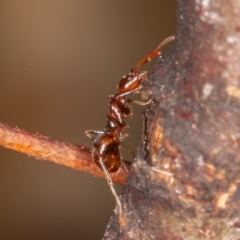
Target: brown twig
49, 149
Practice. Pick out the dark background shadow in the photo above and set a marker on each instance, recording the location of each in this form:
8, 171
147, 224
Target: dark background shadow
59, 61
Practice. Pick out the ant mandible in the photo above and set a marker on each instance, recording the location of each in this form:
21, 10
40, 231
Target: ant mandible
106, 144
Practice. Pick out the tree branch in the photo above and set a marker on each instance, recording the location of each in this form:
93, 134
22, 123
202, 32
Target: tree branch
49, 149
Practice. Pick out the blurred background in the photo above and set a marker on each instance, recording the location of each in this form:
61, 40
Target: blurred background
59, 61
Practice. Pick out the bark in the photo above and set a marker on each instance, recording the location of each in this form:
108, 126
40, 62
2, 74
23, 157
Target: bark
185, 181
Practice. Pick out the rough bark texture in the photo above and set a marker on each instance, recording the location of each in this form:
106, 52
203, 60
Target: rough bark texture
185, 182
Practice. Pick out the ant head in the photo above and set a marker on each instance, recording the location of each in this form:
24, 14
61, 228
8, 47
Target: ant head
131, 81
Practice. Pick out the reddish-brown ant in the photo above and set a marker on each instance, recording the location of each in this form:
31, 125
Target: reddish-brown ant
106, 144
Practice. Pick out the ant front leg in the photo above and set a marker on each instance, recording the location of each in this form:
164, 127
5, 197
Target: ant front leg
139, 102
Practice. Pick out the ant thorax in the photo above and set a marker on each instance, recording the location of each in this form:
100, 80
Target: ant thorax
119, 107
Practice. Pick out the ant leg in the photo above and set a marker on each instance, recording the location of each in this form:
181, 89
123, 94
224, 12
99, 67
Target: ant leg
92, 134
129, 150
125, 167
139, 102
110, 183
154, 53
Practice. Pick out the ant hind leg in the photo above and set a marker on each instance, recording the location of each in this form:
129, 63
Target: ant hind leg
110, 183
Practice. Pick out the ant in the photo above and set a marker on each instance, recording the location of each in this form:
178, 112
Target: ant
106, 144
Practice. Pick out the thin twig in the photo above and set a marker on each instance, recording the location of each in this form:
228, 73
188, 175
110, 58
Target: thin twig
49, 149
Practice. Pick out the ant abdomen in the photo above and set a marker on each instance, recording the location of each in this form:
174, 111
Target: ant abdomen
106, 149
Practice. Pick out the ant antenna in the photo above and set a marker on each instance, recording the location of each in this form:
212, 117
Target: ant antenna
154, 53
